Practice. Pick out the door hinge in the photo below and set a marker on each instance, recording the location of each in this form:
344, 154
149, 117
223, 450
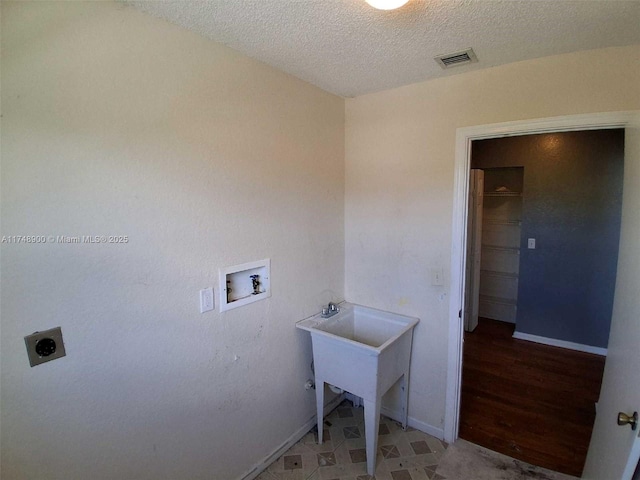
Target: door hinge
459, 313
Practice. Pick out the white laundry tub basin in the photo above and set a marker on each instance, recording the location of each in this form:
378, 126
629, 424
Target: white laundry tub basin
363, 351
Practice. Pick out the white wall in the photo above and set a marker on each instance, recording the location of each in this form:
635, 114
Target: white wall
399, 183
116, 123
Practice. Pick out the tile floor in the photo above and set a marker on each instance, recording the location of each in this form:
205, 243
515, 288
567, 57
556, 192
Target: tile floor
402, 455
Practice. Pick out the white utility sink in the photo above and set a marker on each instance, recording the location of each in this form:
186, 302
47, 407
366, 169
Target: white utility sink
365, 352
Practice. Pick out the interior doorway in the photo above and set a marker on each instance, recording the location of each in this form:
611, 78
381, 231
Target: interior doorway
575, 193
464, 137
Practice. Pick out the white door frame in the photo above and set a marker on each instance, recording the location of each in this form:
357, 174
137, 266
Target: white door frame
464, 137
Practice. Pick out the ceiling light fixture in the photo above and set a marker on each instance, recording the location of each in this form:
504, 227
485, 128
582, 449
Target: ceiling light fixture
386, 4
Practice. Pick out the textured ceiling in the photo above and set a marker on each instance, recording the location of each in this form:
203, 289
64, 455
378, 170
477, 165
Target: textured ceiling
348, 48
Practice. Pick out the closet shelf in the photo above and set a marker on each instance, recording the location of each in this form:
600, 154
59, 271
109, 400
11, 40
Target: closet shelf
499, 221
493, 273
498, 300
497, 248
502, 194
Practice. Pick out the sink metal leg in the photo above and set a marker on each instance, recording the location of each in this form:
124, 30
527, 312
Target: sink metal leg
404, 399
371, 426
320, 408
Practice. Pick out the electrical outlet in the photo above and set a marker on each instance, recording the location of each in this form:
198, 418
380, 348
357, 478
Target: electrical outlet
45, 346
206, 300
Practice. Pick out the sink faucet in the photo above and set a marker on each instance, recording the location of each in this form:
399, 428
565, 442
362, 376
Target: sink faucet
330, 310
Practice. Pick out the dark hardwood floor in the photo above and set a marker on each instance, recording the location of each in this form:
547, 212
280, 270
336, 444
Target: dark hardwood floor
532, 402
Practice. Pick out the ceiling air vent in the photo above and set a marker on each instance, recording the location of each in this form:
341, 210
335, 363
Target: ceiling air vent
458, 58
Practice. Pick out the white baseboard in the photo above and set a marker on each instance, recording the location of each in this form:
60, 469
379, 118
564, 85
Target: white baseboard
289, 442
412, 422
560, 343
397, 416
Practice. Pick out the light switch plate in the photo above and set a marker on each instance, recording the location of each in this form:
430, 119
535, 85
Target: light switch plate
437, 276
206, 300
45, 346
531, 243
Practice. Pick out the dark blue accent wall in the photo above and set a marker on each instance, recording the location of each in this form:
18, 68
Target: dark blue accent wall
572, 199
